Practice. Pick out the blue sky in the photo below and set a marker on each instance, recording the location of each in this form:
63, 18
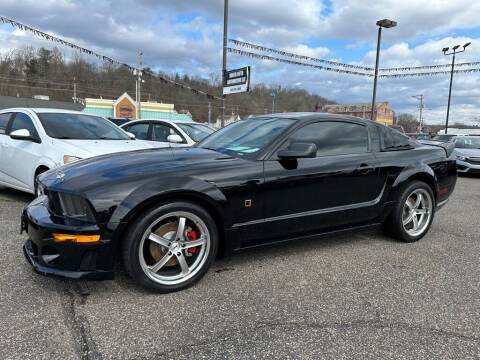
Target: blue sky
185, 36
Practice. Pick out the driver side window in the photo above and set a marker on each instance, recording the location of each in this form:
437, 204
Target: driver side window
332, 138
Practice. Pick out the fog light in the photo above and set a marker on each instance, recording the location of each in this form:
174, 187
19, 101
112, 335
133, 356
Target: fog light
78, 239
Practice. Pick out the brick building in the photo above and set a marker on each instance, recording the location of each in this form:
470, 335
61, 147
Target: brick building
384, 114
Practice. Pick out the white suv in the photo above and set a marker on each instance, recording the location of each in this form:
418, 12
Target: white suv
35, 140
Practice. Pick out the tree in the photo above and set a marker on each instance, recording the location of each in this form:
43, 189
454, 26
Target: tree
409, 122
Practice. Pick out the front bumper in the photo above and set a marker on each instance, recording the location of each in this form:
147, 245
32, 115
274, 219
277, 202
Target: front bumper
69, 260
467, 167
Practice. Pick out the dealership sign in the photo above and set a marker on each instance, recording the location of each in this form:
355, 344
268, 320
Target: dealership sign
236, 81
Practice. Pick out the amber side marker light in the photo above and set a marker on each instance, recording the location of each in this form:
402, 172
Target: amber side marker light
77, 239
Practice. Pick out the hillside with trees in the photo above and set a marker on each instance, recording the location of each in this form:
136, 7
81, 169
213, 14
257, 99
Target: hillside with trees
26, 72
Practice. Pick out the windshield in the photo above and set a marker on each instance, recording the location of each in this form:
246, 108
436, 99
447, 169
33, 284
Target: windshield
246, 137
80, 127
443, 138
467, 142
196, 132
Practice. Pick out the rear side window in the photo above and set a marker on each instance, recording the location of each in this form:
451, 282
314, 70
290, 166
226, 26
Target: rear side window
23, 121
394, 140
4, 118
333, 138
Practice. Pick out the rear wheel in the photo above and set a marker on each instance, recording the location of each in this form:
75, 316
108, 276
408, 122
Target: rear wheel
413, 214
171, 247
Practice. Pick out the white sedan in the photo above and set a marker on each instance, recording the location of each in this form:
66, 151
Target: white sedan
163, 133
33, 141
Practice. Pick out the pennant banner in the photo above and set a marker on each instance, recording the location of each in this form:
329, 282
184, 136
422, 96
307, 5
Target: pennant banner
296, 56
343, 71
293, 62
260, 48
100, 56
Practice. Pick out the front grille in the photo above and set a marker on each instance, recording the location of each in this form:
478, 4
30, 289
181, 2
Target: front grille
473, 161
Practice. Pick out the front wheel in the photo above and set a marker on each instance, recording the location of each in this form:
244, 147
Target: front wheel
171, 247
413, 214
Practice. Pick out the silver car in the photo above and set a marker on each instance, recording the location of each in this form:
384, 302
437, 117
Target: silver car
467, 149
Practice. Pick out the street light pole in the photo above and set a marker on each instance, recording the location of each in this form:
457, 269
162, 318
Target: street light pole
455, 52
385, 23
224, 63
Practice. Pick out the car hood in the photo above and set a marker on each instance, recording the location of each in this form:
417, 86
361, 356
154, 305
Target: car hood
88, 148
134, 167
468, 152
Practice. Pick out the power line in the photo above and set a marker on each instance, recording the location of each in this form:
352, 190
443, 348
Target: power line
105, 58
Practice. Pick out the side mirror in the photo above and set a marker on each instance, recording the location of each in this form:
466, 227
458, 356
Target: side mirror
297, 151
21, 134
130, 135
176, 139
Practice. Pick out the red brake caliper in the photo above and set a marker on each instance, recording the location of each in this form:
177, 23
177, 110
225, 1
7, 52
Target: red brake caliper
192, 235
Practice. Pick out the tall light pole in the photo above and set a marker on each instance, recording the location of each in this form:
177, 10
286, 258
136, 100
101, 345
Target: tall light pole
420, 97
454, 52
385, 23
224, 62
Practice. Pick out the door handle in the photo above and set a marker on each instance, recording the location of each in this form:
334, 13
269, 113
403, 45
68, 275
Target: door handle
4, 145
365, 169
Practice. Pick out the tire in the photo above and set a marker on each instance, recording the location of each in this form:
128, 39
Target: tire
400, 223
161, 259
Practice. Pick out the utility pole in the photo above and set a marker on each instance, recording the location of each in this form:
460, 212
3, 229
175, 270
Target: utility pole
74, 89
209, 113
138, 81
420, 97
224, 63
385, 23
455, 48
273, 94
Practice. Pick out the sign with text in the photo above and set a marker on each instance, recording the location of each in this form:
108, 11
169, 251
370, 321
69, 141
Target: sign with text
236, 81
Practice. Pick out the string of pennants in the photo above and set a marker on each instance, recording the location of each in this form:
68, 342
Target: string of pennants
365, 70
104, 58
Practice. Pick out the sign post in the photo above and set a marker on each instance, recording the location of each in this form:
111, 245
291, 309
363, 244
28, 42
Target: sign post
236, 81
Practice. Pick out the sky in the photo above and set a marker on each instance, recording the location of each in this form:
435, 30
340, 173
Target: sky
185, 36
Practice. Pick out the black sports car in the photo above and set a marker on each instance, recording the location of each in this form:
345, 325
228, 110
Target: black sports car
168, 212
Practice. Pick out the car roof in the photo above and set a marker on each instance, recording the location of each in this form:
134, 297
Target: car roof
44, 110
168, 121
305, 116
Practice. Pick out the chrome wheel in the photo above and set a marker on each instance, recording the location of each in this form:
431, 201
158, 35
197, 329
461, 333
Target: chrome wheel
417, 212
174, 248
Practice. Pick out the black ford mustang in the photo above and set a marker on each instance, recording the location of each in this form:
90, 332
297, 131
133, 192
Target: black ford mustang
168, 212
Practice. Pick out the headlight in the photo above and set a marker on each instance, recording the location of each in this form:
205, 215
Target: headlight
461, 158
72, 206
69, 158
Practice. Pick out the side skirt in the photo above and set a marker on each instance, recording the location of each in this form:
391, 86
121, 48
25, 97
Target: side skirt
311, 236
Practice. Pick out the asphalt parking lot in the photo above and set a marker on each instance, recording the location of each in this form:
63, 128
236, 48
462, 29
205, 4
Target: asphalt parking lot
359, 296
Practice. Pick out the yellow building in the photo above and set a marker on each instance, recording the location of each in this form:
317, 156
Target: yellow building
126, 107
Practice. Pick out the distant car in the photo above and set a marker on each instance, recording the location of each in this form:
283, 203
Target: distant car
419, 136
119, 121
163, 133
467, 149
397, 127
444, 137
33, 141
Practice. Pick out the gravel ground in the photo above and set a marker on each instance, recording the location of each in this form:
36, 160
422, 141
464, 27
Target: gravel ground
361, 296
